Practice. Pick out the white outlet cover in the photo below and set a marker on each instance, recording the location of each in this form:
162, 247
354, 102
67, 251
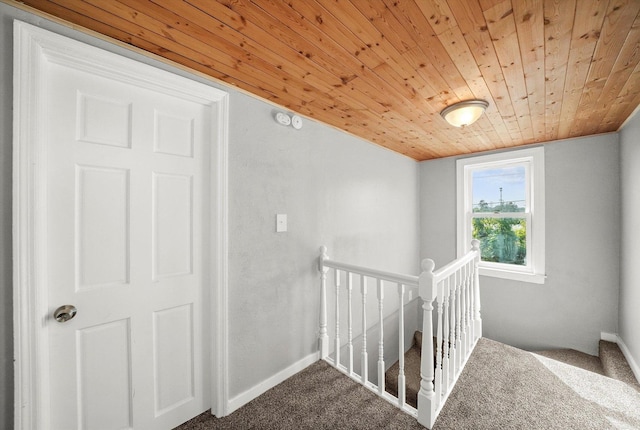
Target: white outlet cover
283, 118
296, 122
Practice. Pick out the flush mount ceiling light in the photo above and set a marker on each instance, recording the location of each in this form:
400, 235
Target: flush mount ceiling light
464, 113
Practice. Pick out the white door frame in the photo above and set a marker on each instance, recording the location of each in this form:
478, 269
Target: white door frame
34, 49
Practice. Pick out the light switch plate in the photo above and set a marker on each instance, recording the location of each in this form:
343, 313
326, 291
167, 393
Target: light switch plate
281, 223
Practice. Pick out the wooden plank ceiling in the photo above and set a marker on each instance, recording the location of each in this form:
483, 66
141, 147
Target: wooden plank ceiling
384, 69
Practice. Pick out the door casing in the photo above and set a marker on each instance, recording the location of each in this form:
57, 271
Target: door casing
34, 48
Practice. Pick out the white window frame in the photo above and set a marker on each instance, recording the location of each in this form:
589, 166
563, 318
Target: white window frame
533, 160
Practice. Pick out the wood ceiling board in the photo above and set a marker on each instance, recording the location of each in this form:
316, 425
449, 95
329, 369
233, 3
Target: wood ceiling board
615, 31
559, 16
439, 15
257, 33
529, 19
193, 19
387, 24
384, 69
346, 12
586, 31
626, 102
219, 49
626, 62
502, 28
472, 23
330, 29
289, 43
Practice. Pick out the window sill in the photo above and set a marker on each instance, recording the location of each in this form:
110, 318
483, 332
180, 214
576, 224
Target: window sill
534, 278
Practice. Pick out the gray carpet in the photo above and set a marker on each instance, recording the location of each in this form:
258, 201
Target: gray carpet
575, 358
500, 388
615, 365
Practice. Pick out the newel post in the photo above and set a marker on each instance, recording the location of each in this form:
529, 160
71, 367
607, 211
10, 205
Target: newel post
477, 319
427, 400
323, 337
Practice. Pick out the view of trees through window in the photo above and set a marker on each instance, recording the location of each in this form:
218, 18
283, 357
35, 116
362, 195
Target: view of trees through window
499, 221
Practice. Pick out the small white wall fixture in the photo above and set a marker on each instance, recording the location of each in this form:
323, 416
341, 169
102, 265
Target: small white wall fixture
34, 49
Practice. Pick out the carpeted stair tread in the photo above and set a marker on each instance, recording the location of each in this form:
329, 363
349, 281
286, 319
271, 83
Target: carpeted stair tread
411, 371
411, 375
575, 358
615, 364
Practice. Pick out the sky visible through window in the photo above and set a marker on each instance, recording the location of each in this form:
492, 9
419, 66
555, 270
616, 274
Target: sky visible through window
499, 186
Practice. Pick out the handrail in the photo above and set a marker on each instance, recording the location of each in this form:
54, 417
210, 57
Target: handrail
450, 268
407, 280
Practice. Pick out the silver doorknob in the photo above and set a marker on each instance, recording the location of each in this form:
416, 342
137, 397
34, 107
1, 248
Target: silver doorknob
64, 313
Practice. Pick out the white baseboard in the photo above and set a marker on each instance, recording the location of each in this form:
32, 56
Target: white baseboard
609, 337
255, 391
627, 354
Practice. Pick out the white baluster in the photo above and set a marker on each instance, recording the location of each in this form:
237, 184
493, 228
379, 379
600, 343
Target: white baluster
475, 246
426, 402
468, 309
364, 364
453, 353
445, 337
463, 315
323, 337
401, 380
438, 380
337, 343
349, 323
459, 352
381, 368
471, 306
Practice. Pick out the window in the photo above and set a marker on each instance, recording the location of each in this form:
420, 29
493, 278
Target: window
501, 203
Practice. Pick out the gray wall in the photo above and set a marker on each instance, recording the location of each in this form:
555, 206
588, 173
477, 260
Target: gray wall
6, 273
629, 329
580, 296
358, 199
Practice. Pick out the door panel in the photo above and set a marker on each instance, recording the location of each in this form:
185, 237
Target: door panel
104, 376
102, 234
104, 120
172, 225
173, 356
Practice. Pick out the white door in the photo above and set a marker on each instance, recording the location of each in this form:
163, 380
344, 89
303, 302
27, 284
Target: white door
126, 228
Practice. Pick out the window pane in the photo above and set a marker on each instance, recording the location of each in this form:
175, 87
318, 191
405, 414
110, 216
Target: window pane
499, 190
502, 240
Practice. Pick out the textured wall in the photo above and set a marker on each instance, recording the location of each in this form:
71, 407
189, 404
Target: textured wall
580, 296
630, 250
358, 199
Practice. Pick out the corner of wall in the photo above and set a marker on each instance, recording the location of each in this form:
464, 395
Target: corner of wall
633, 363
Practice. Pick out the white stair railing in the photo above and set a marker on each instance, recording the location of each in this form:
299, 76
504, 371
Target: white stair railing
453, 290
381, 280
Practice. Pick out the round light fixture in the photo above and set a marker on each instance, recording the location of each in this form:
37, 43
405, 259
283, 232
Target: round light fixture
464, 113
